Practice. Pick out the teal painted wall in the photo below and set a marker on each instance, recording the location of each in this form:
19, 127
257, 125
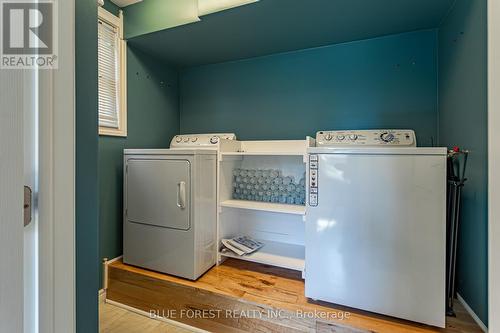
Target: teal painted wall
383, 82
87, 223
463, 122
154, 15
153, 119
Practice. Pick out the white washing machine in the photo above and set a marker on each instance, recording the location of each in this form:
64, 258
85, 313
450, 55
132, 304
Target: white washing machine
170, 205
376, 224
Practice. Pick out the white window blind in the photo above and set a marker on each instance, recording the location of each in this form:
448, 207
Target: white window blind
109, 75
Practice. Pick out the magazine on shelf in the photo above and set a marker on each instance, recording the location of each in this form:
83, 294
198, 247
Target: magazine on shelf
242, 245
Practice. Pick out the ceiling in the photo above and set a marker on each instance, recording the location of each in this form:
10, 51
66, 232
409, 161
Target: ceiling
274, 26
125, 3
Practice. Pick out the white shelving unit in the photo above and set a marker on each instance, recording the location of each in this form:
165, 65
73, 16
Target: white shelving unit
279, 226
284, 255
265, 206
261, 153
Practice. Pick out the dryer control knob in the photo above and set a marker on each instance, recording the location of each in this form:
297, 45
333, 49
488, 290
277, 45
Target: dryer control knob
328, 136
340, 137
178, 139
194, 139
186, 139
387, 137
353, 137
214, 140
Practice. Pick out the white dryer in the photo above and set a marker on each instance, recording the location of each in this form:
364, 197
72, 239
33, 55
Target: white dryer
375, 224
170, 205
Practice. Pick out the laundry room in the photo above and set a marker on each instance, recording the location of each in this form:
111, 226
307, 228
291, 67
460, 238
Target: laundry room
246, 147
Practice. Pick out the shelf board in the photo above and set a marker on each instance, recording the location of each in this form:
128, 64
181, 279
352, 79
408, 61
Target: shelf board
265, 206
278, 254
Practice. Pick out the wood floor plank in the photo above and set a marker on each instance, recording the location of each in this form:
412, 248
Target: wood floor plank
109, 316
113, 319
245, 286
180, 298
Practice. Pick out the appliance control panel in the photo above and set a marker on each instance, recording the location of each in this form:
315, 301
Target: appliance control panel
368, 138
313, 180
200, 140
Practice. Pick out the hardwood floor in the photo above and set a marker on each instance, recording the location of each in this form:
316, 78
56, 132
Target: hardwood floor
113, 319
253, 297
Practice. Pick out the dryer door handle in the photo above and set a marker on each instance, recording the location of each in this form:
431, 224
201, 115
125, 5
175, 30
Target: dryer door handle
181, 195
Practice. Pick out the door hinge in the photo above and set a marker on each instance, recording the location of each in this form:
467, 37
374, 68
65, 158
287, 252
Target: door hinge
28, 199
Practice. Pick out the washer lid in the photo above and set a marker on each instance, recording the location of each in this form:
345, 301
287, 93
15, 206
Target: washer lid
378, 151
192, 151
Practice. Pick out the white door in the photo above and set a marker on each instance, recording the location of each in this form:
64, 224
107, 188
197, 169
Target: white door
158, 192
37, 274
11, 200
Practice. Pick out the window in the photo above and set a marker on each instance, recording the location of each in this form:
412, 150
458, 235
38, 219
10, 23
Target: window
112, 75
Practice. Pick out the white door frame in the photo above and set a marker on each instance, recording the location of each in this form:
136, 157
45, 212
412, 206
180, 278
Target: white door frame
494, 165
57, 183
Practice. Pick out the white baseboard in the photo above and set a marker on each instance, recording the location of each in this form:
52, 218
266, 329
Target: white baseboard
114, 259
472, 313
102, 296
105, 270
166, 320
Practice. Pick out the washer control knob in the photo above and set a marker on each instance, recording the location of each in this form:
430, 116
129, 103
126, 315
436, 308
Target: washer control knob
194, 139
186, 139
328, 137
214, 140
353, 137
178, 139
387, 137
340, 137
